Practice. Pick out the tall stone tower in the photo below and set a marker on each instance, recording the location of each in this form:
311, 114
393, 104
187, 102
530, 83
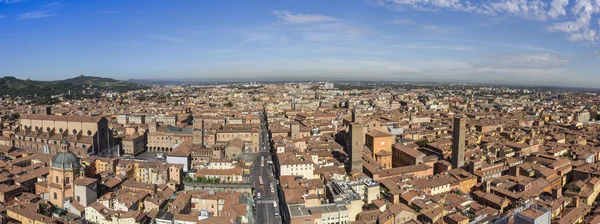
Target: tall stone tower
354, 116
458, 142
295, 130
198, 135
357, 142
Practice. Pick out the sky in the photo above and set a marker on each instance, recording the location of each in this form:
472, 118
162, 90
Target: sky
533, 42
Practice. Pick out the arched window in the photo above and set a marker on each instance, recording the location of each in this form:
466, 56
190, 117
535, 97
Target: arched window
74, 131
89, 133
48, 129
60, 130
36, 128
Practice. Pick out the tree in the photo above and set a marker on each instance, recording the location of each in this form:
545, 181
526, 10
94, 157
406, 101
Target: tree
15, 116
335, 106
229, 104
422, 143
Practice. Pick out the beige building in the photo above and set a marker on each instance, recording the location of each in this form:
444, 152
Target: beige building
43, 133
249, 135
133, 145
291, 164
165, 120
322, 214
166, 138
100, 214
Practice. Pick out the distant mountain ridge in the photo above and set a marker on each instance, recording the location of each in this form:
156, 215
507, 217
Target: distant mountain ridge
33, 90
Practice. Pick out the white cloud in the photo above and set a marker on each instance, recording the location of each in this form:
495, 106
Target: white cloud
579, 27
36, 15
289, 17
557, 8
576, 24
403, 22
50, 5
532, 61
587, 35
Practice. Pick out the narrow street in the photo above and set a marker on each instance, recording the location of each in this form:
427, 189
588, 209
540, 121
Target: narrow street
265, 193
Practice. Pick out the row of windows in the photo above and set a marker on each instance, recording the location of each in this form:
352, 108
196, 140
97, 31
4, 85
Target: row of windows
66, 180
49, 142
60, 130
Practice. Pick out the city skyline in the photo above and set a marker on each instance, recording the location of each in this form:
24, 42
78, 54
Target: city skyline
510, 42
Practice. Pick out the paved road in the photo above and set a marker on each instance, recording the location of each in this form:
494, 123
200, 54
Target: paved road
268, 204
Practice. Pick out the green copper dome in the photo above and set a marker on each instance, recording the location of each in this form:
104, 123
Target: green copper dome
66, 160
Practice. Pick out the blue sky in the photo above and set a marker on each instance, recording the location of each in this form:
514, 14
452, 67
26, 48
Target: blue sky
550, 42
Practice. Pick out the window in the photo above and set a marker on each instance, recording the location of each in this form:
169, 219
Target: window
78, 199
57, 179
67, 180
55, 195
74, 131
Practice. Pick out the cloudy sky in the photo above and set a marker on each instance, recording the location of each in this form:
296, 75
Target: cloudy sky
553, 42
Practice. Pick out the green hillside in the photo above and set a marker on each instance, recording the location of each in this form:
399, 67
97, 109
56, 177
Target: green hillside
79, 87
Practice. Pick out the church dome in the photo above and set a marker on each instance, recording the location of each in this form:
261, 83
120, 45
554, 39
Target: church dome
66, 160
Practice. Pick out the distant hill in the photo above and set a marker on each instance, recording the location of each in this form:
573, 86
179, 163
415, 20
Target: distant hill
79, 87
